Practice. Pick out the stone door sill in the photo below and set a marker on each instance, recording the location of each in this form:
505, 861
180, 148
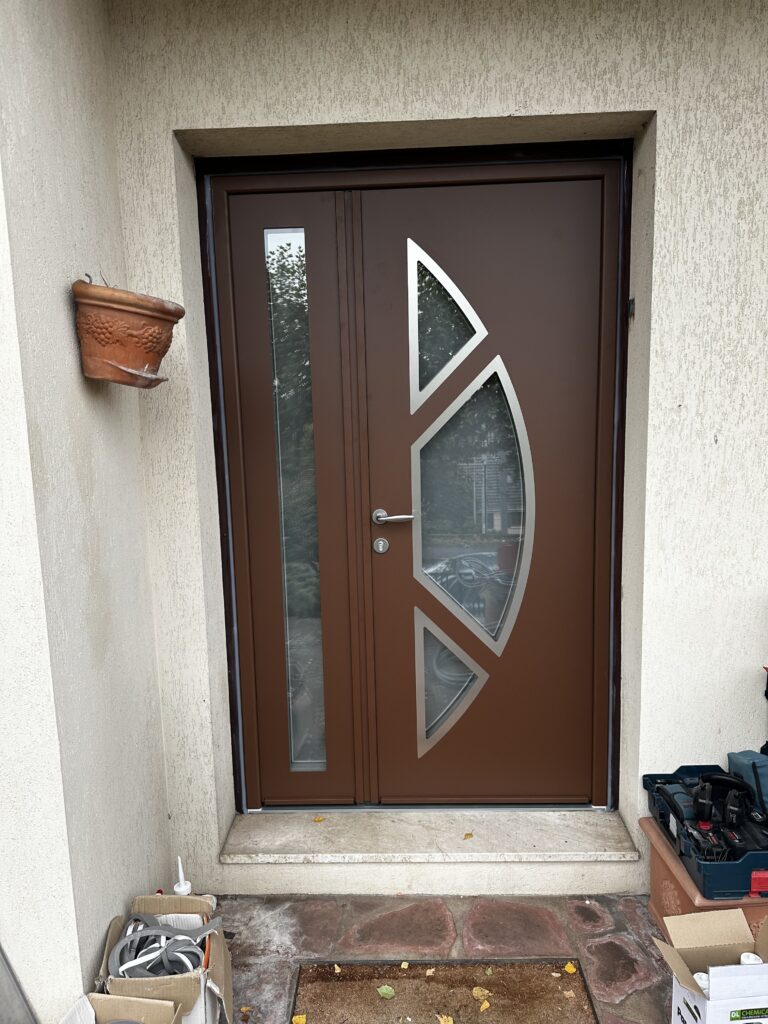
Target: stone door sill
417, 836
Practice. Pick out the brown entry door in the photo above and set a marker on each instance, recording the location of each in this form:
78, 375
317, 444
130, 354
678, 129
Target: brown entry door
482, 327
420, 386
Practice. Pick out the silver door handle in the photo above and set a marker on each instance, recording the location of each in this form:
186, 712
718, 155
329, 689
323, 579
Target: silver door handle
380, 516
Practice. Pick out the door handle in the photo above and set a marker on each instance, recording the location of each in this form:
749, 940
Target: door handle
380, 516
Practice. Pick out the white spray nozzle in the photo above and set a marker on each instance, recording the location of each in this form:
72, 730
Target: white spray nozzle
750, 958
182, 887
702, 980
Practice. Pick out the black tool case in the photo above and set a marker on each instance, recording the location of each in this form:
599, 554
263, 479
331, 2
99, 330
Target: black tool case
731, 879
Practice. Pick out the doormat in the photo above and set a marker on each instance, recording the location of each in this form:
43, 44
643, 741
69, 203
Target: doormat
523, 992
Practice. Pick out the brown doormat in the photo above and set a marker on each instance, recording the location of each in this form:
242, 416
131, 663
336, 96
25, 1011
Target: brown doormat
523, 992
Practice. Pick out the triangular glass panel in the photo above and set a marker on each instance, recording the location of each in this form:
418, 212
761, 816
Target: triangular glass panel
474, 490
443, 326
448, 682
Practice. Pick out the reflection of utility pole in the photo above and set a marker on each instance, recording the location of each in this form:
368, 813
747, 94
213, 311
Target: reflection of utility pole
474, 493
485, 495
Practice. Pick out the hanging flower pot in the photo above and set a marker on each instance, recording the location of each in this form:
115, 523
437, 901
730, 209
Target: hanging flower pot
123, 335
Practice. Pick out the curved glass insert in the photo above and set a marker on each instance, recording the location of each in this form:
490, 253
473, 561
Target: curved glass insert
443, 327
447, 679
473, 483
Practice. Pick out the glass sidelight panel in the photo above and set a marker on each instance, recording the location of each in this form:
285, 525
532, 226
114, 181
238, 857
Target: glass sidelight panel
292, 388
474, 481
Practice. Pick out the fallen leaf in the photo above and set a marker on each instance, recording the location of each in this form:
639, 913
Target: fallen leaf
556, 974
488, 972
480, 993
469, 835
299, 1018
404, 965
336, 969
569, 994
485, 1005
569, 968
246, 1009
385, 991
319, 818
430, 971
443, 1018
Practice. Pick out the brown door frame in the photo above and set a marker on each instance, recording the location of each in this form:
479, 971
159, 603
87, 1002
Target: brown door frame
346, 175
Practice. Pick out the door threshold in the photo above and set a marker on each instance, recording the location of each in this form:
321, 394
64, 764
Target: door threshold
418, 808
427, 835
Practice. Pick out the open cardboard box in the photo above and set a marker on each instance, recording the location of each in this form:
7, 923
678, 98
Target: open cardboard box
202, 994
101, 1009
715, 940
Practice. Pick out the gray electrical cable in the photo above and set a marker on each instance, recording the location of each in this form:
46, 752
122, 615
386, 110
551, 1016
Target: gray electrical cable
148, 949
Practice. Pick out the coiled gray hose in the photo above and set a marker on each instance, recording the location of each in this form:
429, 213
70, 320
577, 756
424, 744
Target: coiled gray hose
148, 949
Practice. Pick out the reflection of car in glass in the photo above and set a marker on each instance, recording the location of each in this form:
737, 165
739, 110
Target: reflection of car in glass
476, 582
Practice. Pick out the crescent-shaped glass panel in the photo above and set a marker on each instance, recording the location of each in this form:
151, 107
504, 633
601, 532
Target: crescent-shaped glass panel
443, 327
447, 679
473, 489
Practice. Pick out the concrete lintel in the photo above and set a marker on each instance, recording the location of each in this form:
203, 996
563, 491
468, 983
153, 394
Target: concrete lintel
473, 131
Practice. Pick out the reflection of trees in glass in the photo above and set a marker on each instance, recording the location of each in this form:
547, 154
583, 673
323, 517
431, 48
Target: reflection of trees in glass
289, 318
443, 328
471, 476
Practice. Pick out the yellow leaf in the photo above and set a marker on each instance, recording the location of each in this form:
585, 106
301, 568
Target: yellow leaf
569, 994
430, 971
488, 972
299, 1018
336, 969
569, 968
443, 1018
319, 818
469, 835
480, 993
404, 965
485, 1005
245, 1009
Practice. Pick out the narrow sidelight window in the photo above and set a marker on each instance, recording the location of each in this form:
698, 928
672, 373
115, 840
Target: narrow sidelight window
285, 254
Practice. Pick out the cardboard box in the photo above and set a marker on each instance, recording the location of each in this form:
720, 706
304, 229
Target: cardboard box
101, 1009
201, 994
714, 940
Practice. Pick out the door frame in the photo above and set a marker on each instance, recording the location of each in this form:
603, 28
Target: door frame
345, 173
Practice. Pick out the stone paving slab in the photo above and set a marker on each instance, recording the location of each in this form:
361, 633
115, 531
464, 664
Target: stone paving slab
611, 936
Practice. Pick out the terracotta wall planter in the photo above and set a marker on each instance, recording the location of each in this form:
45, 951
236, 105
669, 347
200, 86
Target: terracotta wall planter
123, 335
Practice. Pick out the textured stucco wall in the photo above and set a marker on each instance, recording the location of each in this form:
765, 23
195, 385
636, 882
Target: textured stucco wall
696, 534
34, 852
58, 156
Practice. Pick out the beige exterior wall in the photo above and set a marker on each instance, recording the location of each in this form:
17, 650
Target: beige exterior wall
320, 76
34, 851
84, 775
